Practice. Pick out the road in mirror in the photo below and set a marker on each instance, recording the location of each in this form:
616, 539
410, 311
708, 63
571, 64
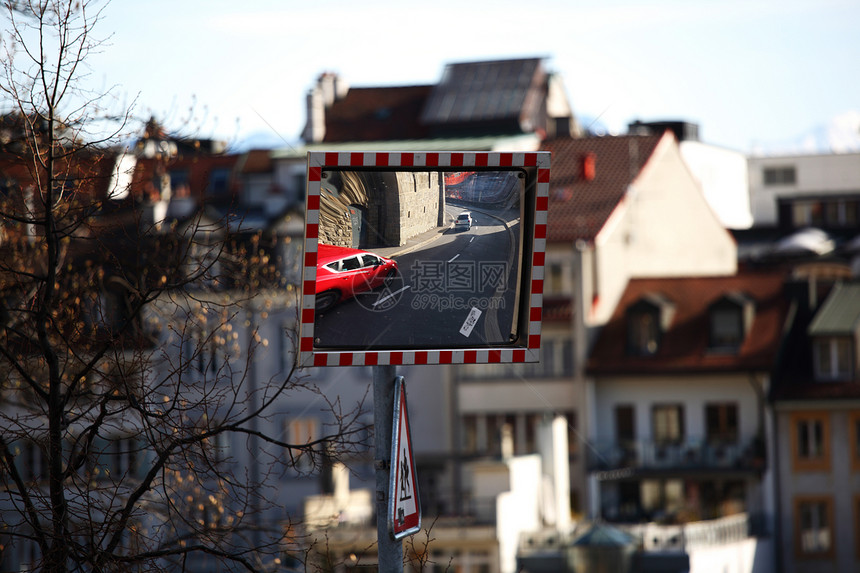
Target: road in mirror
418, 259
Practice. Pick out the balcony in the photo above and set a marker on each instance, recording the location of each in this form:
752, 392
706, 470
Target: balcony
656, 538
685, 455
465, 508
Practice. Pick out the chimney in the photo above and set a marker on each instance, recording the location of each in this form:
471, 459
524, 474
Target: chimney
314, 131
328, 89
587, 166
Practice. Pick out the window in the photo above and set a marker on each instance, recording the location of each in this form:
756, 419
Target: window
726, 327
217, 448
494, 434
300, 432
668, 423
854, 439
531, 423
833, 360
729, 321
807, 214
841, 213
823, 212
219, 181
470, 433
179, 183
810, 436
117, 458
102, 309
642, 332
351, 264
625, 424
125, 458
781, 175
554, 283
30, 461
482, 433
370, 260
721, 423
813, 527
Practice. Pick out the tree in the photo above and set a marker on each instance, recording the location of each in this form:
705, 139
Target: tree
127, 340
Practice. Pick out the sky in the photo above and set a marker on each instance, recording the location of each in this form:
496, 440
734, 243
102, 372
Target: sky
751, 73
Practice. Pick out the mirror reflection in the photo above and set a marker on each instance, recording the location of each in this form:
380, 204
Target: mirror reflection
418, 259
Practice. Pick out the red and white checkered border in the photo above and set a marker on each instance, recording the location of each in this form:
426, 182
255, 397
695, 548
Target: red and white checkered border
529, 352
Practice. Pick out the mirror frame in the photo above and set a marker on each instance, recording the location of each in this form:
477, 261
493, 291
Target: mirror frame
530, 297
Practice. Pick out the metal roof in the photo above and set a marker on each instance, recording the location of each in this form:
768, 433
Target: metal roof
840, 313
481, 91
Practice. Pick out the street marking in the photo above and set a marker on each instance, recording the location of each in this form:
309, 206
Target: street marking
395, 293
454, 257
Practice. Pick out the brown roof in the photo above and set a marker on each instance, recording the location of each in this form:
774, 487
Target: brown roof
377, 114
198, 170
255, 161
579, 206
88, 170
684, 344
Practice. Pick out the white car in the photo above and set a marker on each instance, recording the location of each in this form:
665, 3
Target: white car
463, 221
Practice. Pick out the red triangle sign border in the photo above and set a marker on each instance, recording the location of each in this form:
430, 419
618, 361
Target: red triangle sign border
404, 507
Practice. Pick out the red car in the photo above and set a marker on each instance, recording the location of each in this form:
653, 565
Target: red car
343, 273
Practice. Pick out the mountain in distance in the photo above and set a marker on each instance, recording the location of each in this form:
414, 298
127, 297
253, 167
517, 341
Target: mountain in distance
840, 135
262, 140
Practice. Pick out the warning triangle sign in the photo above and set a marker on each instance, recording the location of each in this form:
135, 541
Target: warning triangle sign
404, 508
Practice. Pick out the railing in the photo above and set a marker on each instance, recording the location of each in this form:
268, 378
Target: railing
469, 510
698, 454
690, 536
653, 537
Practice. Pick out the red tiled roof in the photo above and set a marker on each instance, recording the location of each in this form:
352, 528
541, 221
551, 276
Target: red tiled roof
578, 207
377, 114
684, 345
199, 168
256, 161
90, 170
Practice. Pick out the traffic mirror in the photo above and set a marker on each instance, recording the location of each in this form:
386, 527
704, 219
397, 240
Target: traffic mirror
423, 257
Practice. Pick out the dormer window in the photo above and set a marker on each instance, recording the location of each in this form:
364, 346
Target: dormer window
729, 321
647, 319
834, 331
643, 335
833, 358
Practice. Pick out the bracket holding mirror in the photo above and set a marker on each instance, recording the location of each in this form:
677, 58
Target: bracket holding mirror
423, 258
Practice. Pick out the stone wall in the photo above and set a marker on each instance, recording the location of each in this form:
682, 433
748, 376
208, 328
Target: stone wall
393, 207
419, 202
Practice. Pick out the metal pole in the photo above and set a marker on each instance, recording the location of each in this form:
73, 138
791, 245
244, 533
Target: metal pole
390, 550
